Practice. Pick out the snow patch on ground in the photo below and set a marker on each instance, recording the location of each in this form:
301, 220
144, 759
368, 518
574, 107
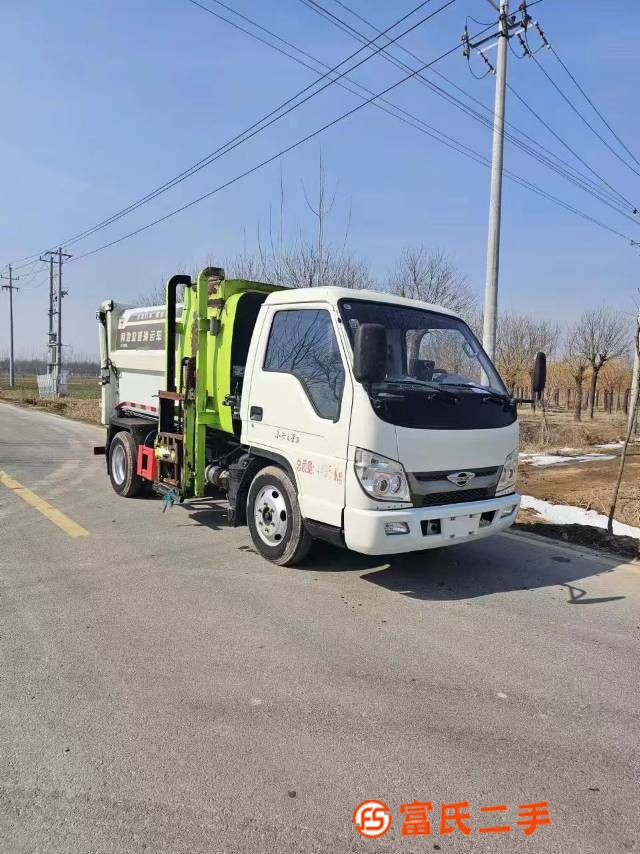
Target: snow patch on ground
557, 459
565, 514
611, 445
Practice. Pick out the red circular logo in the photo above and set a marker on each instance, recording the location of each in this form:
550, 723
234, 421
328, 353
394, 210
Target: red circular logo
372, 819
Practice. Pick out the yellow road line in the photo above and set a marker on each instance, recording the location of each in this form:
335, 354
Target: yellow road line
68, 525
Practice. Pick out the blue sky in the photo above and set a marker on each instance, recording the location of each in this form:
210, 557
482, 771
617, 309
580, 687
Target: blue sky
105, 101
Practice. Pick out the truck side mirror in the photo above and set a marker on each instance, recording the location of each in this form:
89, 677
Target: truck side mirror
370, 353
539, 374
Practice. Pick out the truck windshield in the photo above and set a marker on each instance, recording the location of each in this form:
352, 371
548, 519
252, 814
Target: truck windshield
438, 375
426, 347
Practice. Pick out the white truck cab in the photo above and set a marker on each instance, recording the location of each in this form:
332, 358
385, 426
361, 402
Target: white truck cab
421, 454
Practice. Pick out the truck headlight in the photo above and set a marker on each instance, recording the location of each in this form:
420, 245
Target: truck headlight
509, 474
380, 477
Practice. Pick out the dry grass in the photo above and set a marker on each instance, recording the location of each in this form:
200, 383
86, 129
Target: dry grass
587, 485
563, 432
82, 402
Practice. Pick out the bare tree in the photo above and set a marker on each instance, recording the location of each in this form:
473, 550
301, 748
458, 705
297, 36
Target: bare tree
432, 276
600, 335
152, 296
245, 265
578, 364
300, 266
307, 261
157, 295
321, 211
627, 438
519, 338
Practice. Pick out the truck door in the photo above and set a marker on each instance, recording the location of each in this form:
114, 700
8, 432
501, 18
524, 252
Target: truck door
299, 404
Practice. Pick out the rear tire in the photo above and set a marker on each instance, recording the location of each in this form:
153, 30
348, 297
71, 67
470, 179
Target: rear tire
274, 518
123, 465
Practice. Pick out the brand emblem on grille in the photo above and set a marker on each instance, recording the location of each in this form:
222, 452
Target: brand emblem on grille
461, 478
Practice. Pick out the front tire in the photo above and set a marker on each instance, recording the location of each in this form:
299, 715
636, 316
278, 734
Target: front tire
123, 465
274, 518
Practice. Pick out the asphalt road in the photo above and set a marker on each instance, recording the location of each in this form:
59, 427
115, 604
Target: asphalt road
162, 688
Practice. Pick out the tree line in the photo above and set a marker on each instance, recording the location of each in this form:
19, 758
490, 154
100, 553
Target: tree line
589, 356
589, 360
85, 366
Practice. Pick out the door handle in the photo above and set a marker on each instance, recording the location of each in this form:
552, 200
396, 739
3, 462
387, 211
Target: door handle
255, 413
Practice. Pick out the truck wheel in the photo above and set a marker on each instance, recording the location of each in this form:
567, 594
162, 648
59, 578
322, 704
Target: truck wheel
274, 518
123, 464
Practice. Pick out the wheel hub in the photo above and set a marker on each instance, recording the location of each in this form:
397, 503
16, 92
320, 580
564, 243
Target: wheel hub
270, 513
119, 464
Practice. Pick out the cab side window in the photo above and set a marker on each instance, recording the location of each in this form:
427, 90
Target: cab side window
302, 342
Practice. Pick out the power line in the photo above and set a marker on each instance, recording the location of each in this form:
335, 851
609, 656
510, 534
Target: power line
569, 148
593, 106
535, 142
582, 118
506, 24
345, 27
460, 147
270, 159
544, 194
474, 114
407, 119
577, 178
391, 108
260, 125
39, 284
413, 121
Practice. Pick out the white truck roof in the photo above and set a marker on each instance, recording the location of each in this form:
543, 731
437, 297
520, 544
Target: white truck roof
333, 294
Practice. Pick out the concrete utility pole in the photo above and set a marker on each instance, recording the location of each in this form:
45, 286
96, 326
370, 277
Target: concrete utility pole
11, 288
635, 380
55, 338
495, 203
509, 25
59, 335
50, 338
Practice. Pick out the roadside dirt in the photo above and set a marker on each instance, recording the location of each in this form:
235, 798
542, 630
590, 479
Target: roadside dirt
562, 431
587, 485
579, 535
81, 409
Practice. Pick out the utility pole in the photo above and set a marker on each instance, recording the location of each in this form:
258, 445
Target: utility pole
632, 414
507, 24
50, 337
495, 203
11, 288
55, 338
635, 380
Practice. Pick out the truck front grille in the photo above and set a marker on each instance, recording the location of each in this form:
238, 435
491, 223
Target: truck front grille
462, 496
427, 476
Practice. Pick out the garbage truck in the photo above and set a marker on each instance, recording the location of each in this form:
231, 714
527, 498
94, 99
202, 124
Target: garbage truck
368, 420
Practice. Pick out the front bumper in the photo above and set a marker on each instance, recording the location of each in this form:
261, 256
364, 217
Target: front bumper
364, 530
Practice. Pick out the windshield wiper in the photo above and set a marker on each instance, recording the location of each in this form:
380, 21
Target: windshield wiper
488, 394
442, 394
432, 390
